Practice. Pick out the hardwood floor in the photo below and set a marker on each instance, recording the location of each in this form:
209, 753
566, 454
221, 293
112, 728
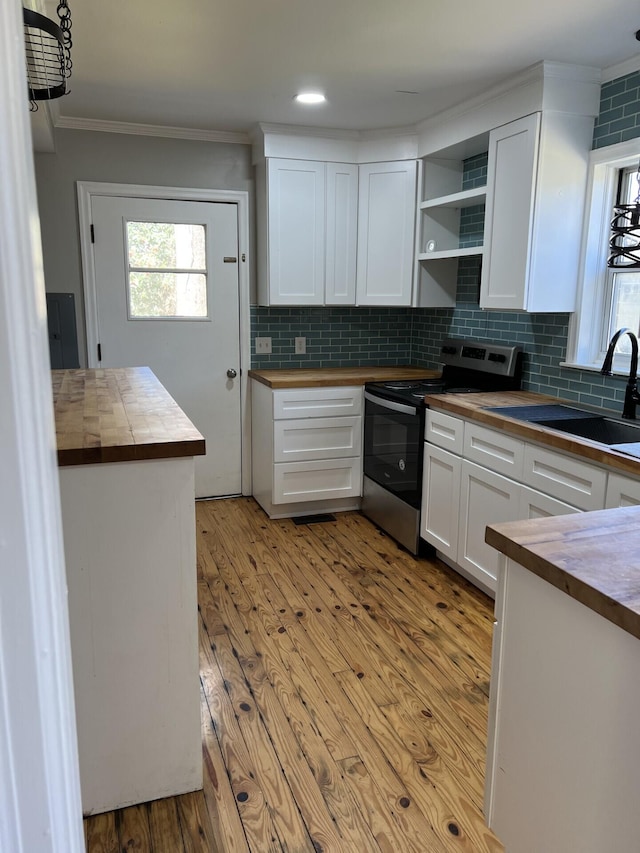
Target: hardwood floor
344, 690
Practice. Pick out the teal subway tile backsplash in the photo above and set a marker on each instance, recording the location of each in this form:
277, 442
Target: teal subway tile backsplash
475, 171
336, 336
619, 118
347, 337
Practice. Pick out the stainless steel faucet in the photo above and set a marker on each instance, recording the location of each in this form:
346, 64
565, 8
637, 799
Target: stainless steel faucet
631, 395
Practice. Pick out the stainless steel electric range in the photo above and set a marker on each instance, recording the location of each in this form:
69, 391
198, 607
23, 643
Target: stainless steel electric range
394, 429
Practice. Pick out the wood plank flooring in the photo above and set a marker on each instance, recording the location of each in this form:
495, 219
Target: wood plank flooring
344, 688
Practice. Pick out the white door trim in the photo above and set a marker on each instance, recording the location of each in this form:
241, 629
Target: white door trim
87, 189
40, 805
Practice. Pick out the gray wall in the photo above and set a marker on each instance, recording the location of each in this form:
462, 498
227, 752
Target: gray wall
120, 158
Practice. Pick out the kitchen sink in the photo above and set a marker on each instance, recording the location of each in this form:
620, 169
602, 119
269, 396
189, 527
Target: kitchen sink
601, 429
622, 435
535, 414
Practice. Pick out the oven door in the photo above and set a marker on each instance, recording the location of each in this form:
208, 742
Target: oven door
393, 447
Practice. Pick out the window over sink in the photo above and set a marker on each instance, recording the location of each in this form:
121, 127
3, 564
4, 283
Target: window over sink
610, 296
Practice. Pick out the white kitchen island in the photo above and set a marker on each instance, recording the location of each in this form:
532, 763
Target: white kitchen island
563, 759
125, 451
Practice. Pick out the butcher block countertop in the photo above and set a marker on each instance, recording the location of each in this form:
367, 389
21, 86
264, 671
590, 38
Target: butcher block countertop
474, 407
319, 377
594, 557
118, 415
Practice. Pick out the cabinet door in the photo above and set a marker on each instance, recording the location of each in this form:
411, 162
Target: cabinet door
386, 216
296, 224
511, 180
342, 233
537, 176
440, 498
538, 505
622, 491
485, 498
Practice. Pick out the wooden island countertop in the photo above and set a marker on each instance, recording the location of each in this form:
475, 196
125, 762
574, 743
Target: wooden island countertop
319, 377
593, 556
118, 414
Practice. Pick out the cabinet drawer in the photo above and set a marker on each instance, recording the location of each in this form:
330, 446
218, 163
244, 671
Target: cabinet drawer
444, 431
295, 482
562, 477
495, 450
316, 402
622, 491
316, 438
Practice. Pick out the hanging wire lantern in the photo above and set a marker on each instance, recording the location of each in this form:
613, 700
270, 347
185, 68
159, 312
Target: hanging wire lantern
48, 51
624, 243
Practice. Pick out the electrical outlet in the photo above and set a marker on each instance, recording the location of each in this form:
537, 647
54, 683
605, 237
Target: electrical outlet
300, 346
263, 346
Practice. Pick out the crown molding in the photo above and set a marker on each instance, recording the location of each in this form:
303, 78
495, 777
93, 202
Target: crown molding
629, 66
304, 130
532, 74
193, 134
331, 132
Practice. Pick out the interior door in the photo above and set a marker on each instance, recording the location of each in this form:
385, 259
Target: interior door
167, 296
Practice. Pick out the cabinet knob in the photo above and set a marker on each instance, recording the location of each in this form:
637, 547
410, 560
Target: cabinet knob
231, 373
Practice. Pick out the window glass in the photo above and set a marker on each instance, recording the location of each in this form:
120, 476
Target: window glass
626, 246
167, 275
625, 307
154, 294
624, 284
610, 296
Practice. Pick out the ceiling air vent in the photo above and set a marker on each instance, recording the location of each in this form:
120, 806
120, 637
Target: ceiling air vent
48, 50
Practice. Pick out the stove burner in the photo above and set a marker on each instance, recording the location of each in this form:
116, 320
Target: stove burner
416, 388
400, 386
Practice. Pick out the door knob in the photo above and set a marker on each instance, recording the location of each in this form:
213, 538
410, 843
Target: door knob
231, 373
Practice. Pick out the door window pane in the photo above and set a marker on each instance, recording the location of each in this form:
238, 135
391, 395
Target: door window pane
154, 294
167, 275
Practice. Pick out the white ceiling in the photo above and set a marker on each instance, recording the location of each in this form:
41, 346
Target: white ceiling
224, 65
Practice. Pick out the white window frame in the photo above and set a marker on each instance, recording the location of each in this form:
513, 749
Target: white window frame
584, 345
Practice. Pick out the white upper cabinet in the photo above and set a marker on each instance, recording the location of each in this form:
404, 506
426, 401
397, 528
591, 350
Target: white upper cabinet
295, 233
386, 217
318, 235
537, 175
341, 225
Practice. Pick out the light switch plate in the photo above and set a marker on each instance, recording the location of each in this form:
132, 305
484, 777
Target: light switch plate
263, 346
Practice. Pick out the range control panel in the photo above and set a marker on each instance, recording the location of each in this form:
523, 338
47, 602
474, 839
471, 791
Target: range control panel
488, 357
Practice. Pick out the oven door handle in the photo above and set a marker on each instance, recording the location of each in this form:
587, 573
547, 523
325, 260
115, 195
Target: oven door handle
391, 404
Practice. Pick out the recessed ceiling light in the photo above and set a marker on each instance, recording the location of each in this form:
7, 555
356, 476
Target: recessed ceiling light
310, 98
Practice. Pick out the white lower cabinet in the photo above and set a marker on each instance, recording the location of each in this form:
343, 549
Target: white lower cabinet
465, 489
306, 449
485, 498
316, 438
441, 493
622, 491
565, 477
534, 504
320, 480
